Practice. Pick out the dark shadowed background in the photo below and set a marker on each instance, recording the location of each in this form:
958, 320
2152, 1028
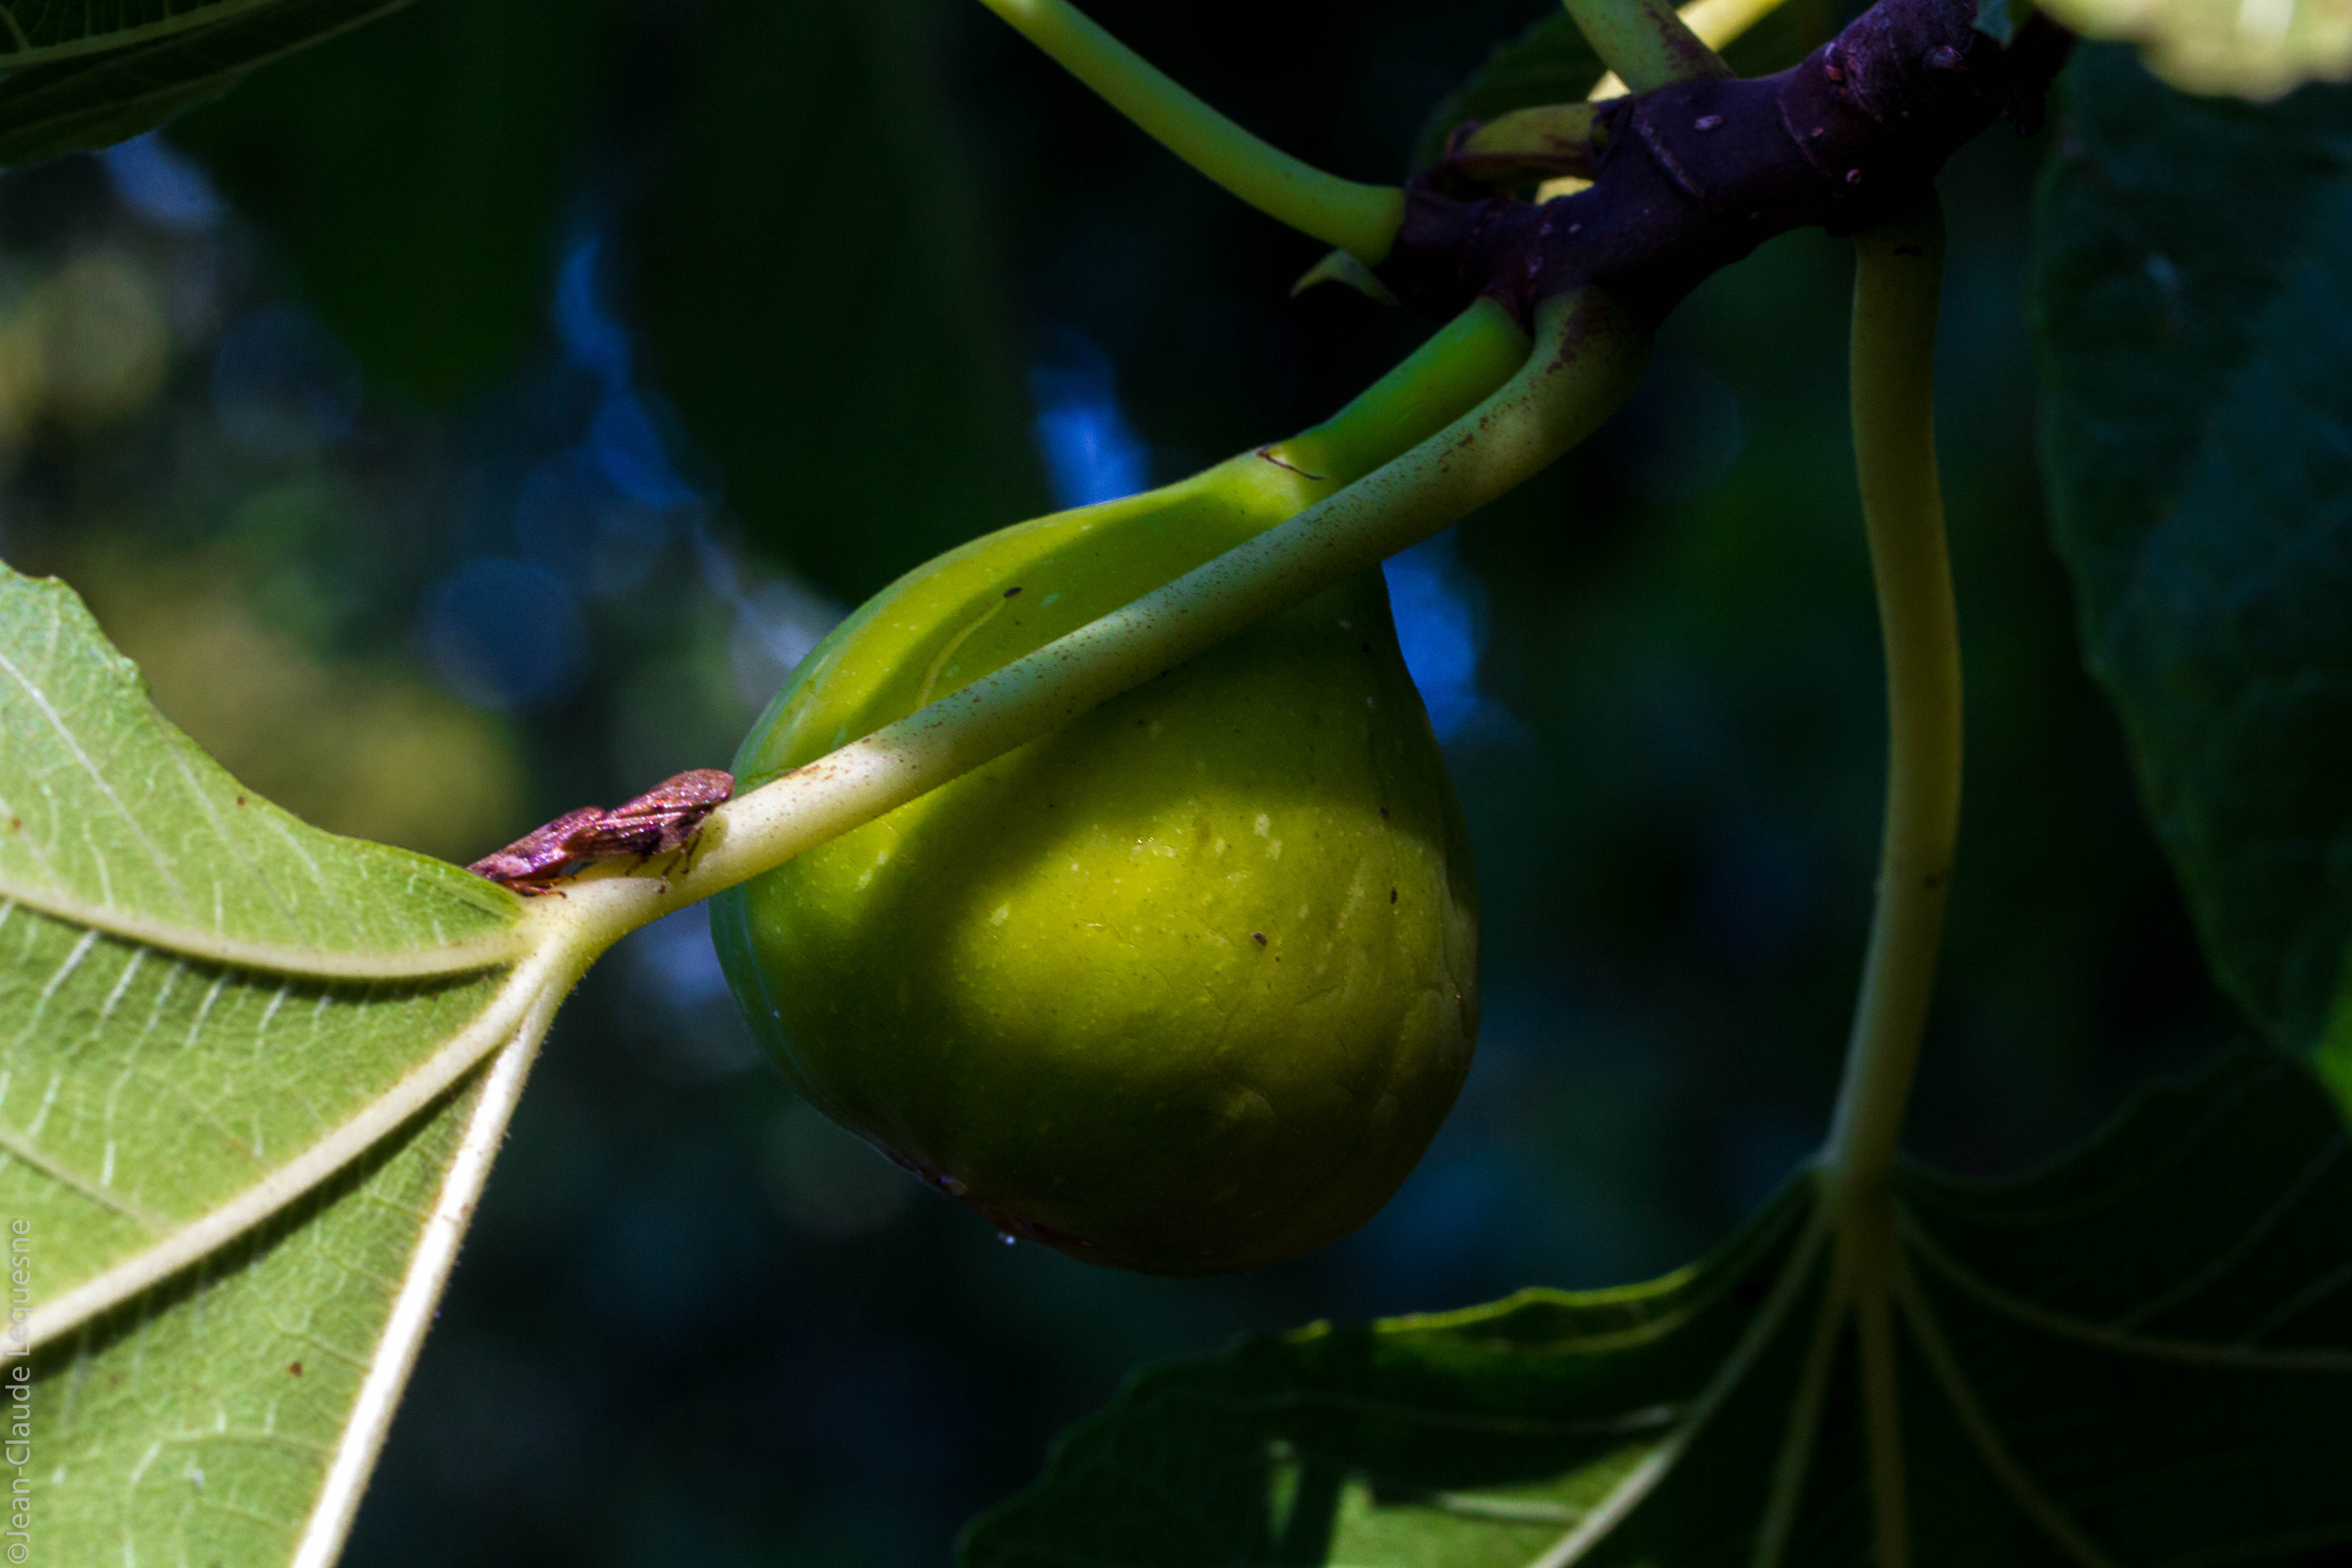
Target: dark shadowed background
480, 415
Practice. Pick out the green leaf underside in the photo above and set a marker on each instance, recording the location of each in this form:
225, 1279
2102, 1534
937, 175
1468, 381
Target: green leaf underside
140, 1091
2139, 1357
108, 810
235, 1059
87, 86
2193, 289
149, 1073
1552, 63
195, 1425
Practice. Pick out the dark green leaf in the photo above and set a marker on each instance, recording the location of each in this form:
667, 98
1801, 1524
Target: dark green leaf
817, 298
1552, 63
39, 32
76, 85
416, 174
2141, 1356
2194, 299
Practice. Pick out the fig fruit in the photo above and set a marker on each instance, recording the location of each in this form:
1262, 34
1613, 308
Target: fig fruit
1184, 986
1187, 985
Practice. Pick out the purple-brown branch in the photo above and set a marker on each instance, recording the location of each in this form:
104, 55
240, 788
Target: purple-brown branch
1693, 176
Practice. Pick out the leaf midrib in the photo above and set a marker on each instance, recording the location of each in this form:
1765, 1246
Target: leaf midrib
2122, 1340
318, 1162
18, 53
470, 955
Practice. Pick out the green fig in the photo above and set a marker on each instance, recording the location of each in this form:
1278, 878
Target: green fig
1186, 986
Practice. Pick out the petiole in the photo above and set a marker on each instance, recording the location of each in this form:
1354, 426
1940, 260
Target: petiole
1360, 219
1586, 356
1899, 272
1644, 42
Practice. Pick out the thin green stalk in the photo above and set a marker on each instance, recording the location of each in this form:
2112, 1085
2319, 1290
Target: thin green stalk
1460, 365
1901, 269
1644, 42
1361, 219
1588, 354
1899, 274
1715, 23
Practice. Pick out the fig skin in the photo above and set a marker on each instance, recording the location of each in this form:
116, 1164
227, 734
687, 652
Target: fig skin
1185, 987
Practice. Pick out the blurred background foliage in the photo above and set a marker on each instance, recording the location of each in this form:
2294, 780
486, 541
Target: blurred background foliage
480, 414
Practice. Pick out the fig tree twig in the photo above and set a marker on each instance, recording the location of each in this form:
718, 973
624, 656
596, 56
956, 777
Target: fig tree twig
1693, 176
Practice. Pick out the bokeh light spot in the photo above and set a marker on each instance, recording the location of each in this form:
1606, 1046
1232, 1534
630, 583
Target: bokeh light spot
1440, 627
1091, 453
283, 388
105, 343
570, 519
162, 184
504, 634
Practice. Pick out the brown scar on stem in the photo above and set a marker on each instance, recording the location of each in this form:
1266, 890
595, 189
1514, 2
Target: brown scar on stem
1267, 453
666, 820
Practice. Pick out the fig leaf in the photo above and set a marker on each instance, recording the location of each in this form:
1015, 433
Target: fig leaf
2195, 376
2190, 1259
72, 81
244, 1110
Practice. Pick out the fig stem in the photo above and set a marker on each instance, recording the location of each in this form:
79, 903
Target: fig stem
1358, 219
1644, 42
1588, 354
1458, 367
1895, 285
1715, 23
1898, 275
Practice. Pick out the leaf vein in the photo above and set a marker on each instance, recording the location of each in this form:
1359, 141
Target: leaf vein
2185, 1352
